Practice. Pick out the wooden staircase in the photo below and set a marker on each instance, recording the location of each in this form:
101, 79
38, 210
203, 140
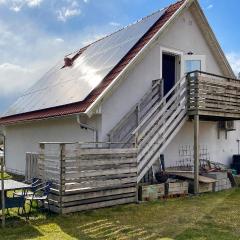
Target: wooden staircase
153, 123
160, 126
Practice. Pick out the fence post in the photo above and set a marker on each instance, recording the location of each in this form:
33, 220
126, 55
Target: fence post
41, 170
2, 192
62, 175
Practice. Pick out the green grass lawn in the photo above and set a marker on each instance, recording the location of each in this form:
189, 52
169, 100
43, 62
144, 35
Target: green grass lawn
210, 216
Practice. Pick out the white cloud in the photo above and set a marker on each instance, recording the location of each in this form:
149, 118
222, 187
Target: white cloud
210, 6
59, 40
17, 5
115, 24
69, 11
14, 78
234, 60
33, 3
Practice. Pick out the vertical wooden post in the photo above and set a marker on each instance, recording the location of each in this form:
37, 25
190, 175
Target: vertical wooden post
62, 175
2, 193
41, 164
196, 154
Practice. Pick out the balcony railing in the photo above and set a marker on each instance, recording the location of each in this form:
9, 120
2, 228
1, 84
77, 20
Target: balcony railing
212, 95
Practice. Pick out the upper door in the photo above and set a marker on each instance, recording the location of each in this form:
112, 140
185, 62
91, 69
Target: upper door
168, 71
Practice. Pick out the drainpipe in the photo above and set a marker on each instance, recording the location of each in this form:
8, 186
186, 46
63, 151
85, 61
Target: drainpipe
88, 127
2, 182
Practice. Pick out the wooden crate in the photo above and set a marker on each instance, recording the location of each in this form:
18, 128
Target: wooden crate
203, 187
151, 192
176, 188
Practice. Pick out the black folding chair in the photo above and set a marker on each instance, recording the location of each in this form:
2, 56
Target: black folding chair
34, 183
40, 195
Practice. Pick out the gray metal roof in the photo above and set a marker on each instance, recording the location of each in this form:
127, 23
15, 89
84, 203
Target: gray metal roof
61, 86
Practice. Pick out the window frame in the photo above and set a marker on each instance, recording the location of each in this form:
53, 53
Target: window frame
201, 58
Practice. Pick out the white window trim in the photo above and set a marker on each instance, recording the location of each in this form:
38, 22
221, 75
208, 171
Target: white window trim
202, 58
171, 51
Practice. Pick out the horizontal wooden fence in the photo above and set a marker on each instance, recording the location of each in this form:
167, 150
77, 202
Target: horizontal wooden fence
88, 178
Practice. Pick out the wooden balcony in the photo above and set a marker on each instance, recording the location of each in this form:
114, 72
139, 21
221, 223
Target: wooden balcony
213, 97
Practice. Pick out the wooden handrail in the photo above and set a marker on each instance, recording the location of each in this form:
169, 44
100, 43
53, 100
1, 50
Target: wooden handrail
164, 99
211, 74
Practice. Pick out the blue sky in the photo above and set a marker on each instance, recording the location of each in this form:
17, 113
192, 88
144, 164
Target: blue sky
35, 34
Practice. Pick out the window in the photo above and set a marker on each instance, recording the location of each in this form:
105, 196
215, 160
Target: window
192, 65
193, 62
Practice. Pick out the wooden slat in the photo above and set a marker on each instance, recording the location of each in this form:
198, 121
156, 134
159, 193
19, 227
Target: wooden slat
96, 194
82, 174
104, 198
99, 205
100, 184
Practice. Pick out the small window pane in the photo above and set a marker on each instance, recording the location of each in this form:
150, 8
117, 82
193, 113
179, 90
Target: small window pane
192, 65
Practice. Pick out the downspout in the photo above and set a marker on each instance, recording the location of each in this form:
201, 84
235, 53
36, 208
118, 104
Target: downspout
86, 126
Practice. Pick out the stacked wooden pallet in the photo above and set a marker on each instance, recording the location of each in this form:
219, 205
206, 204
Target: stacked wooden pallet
222, 180
151, 192
179, 188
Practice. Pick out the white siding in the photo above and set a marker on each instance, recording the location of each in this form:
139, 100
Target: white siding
24, 138
185, 35
131, 90
220, 150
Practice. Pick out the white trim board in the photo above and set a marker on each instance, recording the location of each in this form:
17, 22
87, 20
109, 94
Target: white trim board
173, 52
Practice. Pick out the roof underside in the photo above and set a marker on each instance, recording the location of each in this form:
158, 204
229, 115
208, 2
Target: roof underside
71, 90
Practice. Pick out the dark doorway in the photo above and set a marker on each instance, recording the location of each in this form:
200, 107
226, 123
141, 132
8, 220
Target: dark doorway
168, 72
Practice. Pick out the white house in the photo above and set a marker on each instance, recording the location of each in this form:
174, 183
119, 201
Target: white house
88, 95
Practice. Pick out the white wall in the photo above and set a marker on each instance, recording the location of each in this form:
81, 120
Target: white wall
220, 150
186, 36
24, 138
131, 90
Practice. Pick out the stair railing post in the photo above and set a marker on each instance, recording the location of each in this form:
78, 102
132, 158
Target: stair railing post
196, 142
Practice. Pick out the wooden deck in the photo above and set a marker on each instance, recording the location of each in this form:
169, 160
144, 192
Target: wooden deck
213, 97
